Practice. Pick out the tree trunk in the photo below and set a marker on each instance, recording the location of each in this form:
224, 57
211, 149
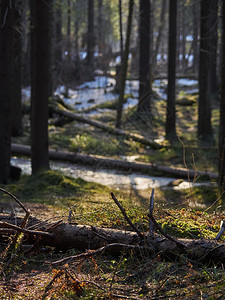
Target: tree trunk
171, 93
183, 27
121, 30
222, 110
213, 25
160, 31
58, 27
100, 28
195, 35
6, 54
124, 66
16, 128
26, 44
109, 163
40, 13
90, 39
205, 133
144, 103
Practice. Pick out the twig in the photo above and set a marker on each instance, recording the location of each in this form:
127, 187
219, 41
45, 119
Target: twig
151, 213
214, 203
98, 251
180, 244
222, 229
140, 234
26, 231
57, 275
23, 225
14, 198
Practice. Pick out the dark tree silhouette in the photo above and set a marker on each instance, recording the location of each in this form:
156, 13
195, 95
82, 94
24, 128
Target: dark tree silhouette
144, 60
124, 66
222, 110
40, 55
213, 34
171, 92
204, 107
90, 39
16, 127
6, 54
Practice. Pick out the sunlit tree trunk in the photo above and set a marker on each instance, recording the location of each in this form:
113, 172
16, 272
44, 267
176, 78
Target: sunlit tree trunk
171, 92
6, 54
40, 14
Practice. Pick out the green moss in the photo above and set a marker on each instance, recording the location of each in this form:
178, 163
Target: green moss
51, 187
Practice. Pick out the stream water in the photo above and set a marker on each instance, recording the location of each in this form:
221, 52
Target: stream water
111, 178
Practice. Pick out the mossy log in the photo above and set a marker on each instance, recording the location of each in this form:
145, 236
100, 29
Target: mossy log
66, 236
105, 162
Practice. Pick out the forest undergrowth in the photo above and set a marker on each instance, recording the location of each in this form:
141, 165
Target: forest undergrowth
193, 213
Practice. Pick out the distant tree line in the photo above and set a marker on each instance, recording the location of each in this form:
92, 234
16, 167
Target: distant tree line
44, 43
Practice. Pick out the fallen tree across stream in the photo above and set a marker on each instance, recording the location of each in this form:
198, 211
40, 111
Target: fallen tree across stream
105, 162
62, 111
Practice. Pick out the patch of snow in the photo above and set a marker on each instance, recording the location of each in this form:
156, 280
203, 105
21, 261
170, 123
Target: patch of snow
131, 102
26, 94
99, 82
187, 82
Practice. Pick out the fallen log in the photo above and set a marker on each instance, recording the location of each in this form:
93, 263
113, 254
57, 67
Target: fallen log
99, 161
83, 237
130, 136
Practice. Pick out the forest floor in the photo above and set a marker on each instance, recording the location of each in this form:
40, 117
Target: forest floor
181, 213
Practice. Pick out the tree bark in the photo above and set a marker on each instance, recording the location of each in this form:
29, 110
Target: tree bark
205, 133
6, 54
171, 93
195, 35
222, 110
99, 161
124, 66
66, 236
90, 39
213, 25
40, 83
16, 128
144, 103
121, 30
160, 32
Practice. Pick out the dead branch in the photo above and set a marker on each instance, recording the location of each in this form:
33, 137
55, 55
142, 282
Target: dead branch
140, 234
14, 198
26, 231
116, 246
127, 135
